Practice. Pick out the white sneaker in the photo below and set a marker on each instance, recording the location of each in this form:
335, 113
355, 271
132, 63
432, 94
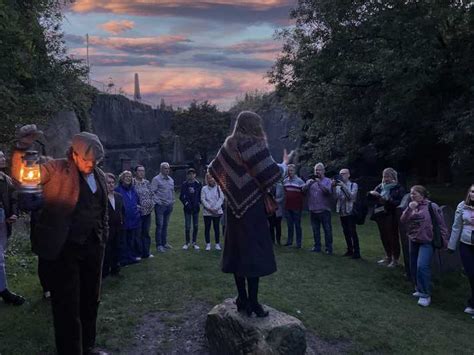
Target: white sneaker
185, 247
151, 256
47, 294
469, 310
208, 246
138, 258
383, 261
424, 301
416, 294
393, 264
196, 247
218, 246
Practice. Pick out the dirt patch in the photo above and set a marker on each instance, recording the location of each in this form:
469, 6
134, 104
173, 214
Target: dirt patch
183, 333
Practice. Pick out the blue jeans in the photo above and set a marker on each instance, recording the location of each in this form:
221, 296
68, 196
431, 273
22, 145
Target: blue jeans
162, 216
421, 255
293, 219
188, 216
145, 222
317, 219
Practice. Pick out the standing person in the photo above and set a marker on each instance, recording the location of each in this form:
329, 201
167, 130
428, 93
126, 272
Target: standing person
145, 196
162, 187
132, 249
346, 195
8, 215
319, 192
274, 220
463, 232
70, 236
116, 213
293, 187
387, 196
419, 223
244, 169
190, 196
212, 199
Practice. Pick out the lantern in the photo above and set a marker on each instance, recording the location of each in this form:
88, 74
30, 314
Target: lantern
30, 173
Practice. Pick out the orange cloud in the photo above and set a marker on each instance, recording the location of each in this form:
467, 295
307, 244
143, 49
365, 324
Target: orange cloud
117, 27
179, 86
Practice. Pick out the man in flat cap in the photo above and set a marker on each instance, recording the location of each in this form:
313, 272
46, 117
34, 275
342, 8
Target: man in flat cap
69, 235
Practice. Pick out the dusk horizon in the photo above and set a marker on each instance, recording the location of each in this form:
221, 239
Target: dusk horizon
182, 50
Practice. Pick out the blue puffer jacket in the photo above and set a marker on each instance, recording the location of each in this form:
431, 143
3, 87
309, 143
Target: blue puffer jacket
130, 202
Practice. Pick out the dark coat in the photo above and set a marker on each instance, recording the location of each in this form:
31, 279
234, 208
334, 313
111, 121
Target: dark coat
60, 182
396, 195
130, 202
8, 198
248, 248
190, 196
116, 217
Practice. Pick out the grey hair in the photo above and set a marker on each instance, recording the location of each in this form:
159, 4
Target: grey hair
164, 164
392, 172
122, 174
321, 165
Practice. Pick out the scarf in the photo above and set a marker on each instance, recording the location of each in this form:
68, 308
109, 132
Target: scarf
386, 190
244, 168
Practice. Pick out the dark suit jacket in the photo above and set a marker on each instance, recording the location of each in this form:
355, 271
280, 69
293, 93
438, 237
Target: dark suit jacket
60, 182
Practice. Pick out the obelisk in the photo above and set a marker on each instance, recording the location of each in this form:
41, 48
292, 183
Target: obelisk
137, 96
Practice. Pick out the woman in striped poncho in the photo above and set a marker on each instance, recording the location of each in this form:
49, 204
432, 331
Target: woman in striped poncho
244, 169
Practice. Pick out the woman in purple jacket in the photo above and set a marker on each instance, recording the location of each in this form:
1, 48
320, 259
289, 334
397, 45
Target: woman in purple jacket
132, 251
419, 226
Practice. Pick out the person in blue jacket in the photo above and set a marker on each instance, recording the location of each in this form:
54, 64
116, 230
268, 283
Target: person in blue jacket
131, 247
190, 196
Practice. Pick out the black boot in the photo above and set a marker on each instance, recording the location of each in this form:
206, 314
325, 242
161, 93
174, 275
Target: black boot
253, 305
242, 299
11, 298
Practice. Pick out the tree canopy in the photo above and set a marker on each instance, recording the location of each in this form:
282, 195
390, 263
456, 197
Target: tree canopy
390, 81
37, 78
203, 127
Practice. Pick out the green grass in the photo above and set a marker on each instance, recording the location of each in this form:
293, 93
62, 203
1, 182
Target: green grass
370, 307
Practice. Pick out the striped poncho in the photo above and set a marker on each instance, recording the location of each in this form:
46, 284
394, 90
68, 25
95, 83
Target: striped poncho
243, 168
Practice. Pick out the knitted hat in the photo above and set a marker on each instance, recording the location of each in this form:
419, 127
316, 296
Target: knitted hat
88, 146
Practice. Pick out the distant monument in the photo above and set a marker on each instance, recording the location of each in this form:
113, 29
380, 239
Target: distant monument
136, 95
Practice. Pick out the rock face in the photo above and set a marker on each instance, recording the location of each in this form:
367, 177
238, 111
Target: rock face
132, 133
230, 332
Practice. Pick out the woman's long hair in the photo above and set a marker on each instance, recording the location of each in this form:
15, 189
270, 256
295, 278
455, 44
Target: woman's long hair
468, 200
248, 125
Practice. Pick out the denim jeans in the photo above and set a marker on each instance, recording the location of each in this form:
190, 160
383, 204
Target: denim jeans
188, 216
467, 257
317, 219
162, 216
145, 222
421, 255
293, 219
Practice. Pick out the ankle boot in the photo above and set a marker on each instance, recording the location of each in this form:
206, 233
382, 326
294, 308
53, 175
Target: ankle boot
256, 308
11, 298
241, 304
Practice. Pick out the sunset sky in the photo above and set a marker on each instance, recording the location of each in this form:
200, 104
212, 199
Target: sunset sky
212, 50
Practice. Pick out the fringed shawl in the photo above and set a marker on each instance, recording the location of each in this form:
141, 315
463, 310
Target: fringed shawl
238, 166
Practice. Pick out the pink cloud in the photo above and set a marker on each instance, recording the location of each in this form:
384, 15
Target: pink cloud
117, 27
179, 86
219, 10
144, 45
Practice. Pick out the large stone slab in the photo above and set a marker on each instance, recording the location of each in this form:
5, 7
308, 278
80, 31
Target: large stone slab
231, 332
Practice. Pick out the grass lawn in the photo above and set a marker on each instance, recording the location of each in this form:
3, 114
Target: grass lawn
359, 302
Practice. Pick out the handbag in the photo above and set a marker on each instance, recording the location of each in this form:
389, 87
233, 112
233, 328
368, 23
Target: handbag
271, 205
437, 238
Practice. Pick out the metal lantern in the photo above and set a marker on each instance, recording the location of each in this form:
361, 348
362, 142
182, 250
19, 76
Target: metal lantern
30, 173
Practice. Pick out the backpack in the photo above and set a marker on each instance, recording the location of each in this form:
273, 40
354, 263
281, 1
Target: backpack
437, 238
